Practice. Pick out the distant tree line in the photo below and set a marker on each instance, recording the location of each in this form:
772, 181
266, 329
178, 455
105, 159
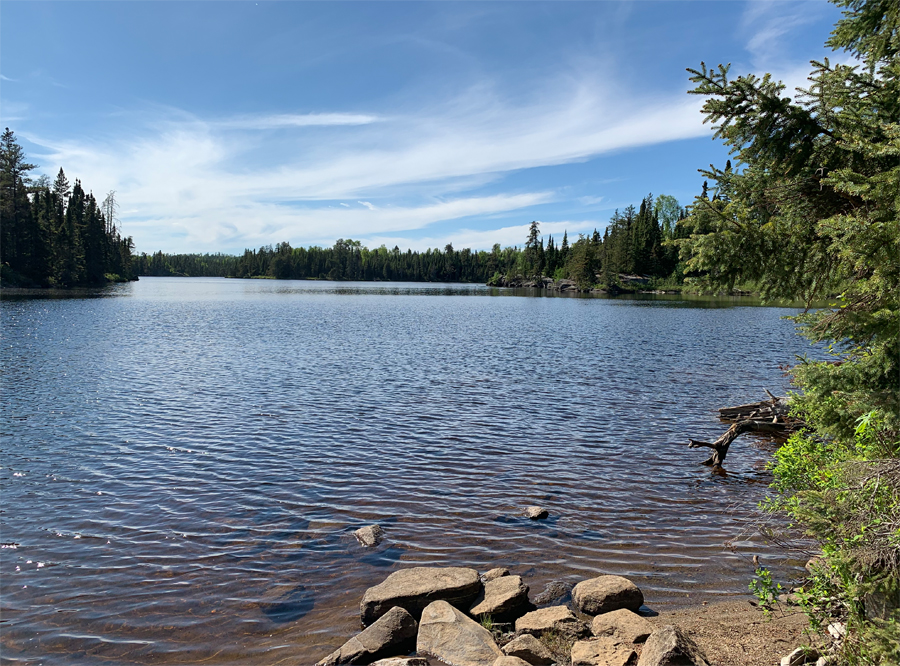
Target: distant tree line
56, 235
634, 242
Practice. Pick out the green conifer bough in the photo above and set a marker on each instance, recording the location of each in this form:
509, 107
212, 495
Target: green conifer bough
811, 211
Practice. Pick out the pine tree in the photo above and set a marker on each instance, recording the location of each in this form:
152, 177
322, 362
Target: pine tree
533, 250
814, 211
16, 222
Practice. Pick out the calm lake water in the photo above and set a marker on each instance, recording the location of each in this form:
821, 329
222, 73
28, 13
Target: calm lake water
184, 460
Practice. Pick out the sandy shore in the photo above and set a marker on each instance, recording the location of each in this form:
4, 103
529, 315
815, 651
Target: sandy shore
736, 633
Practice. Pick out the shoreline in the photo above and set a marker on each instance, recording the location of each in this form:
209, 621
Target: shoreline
737, 633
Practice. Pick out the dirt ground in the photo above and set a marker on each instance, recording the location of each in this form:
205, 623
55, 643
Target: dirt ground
736, 633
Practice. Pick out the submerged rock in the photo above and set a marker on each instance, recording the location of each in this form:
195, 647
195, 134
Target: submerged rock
415, 588
369, 536
394, 632
446, 633
536, 512
606, 593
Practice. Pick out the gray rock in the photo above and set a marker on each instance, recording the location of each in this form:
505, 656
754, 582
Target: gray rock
555, 618
602, 652
622, 624
392, 633
446, 633
606, 593
369, 536
536, 512
415, 588
791, 599
814, 563
555, 592
401, 661
502, 596
528, 648
669, 646
800, 656
509, 661
494, 573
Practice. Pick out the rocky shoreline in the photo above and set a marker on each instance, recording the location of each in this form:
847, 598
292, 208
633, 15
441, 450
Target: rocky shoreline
426, 616
627, 284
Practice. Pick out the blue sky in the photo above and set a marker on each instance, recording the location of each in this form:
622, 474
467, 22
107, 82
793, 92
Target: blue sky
225, 125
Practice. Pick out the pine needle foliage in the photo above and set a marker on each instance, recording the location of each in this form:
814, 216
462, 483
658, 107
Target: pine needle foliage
811, 211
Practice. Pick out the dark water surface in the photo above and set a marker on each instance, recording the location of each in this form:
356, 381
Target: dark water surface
184, 461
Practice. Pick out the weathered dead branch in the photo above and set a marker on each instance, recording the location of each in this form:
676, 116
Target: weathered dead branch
768, 416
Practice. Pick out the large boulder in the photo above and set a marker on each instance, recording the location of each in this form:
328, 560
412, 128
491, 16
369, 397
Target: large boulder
669, 646
602, 652
502, 596
528, 648
446, 633
606, 593
622, 624
509, 661
555, 618
393, 633
401, 661
415, 588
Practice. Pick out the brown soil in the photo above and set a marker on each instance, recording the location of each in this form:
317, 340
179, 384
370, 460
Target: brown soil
736, 633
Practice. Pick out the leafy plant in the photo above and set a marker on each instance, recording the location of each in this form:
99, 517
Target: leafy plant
765, 589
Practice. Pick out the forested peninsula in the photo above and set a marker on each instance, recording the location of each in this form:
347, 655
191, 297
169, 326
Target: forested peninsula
56, 235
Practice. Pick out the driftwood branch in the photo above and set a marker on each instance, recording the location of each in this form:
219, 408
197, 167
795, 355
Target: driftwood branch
769, 416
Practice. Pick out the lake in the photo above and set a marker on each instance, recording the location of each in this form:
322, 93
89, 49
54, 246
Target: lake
184, 460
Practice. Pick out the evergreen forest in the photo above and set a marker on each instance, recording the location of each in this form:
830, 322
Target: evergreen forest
56, 234
637, 241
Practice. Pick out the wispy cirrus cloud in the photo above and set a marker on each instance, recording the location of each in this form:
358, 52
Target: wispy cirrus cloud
196, 181
287, 120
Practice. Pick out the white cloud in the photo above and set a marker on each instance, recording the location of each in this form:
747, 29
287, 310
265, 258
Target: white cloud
200, 187
282, 121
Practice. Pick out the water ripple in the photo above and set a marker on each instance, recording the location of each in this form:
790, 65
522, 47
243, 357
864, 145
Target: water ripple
188, 460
